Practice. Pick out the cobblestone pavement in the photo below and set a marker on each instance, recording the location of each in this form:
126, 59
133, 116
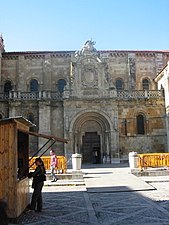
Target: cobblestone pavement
74, 205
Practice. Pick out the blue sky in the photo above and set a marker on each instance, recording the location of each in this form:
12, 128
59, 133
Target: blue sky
54, 25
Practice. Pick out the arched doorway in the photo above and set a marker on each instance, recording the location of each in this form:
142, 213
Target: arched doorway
93, 136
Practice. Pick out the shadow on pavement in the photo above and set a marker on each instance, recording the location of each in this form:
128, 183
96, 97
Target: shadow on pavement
91, 208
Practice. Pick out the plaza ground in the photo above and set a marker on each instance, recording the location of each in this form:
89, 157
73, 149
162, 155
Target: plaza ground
107, 195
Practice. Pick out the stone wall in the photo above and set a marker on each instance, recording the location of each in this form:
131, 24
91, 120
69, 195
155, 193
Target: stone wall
91, 102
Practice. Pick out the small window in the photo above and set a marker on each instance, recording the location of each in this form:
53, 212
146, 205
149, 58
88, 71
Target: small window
34, 86
119, 85
140, 124
145, 84
61, 85
125, 126
7, 86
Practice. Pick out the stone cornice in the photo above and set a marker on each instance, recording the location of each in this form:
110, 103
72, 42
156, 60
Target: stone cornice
35, 55
67, 54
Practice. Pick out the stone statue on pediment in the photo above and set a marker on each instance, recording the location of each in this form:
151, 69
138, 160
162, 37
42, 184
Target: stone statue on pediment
88, 48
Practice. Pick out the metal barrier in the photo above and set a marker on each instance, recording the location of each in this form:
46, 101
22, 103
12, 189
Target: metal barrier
153, 160
61, 165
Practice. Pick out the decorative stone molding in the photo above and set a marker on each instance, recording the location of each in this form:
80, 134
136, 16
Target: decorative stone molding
89, 75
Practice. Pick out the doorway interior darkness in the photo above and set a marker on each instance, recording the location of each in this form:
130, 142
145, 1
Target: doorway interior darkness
91, 148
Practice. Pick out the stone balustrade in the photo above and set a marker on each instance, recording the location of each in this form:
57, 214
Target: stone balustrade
135, 94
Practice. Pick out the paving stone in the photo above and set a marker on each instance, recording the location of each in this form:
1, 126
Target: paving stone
75, 205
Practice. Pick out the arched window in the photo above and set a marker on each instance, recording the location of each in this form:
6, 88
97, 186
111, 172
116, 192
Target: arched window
140, 124
34, 86
119, 84
7, 86
61, 85
145, 84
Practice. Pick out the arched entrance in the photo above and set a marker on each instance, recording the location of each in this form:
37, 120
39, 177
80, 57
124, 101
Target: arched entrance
92, 136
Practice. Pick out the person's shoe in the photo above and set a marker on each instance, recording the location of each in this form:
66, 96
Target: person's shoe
30, 210
54, 180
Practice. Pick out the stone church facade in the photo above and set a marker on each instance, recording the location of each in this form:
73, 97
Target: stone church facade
106, 103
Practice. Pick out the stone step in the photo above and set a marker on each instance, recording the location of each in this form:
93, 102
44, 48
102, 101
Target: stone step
65, 183
64, 176
151, 172
73, 175
72, 178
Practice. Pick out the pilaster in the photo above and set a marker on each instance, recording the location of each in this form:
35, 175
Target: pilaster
44, 121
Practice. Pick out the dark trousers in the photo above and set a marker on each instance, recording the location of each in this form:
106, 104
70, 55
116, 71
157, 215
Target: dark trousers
3, 215
37, 196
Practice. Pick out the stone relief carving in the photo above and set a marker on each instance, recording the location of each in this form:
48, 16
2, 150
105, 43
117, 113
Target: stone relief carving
132, 72
106, 71
89, 75
89, 67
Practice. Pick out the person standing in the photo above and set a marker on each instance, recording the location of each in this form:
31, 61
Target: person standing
53, 164
39, 176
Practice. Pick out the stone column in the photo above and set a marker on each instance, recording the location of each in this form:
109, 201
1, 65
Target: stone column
108, 148
76, 142
44, 122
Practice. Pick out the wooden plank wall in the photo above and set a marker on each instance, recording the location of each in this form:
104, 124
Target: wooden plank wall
13, 191
22, 196
12, 167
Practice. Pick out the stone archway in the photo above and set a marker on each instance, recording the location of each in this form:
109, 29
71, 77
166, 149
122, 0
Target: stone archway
91, 132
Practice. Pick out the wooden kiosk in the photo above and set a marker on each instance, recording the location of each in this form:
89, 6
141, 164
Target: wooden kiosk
14, 163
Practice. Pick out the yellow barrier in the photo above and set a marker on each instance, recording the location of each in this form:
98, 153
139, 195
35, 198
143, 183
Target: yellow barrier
61, 165
153, 160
